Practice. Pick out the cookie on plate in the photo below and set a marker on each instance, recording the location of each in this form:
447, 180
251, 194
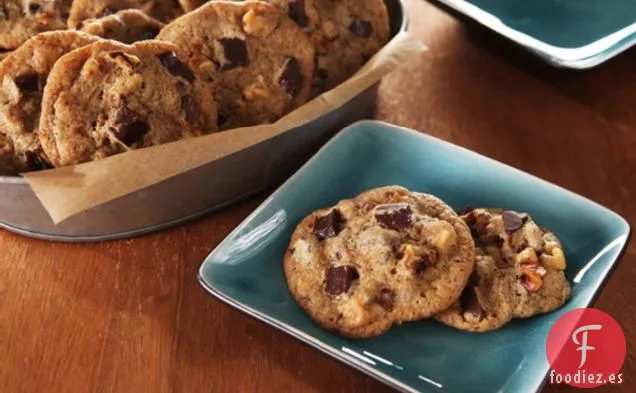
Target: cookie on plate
487, 302
384, 257
127, 26
108, 98
345, 34
163, 10
260, 61
535, 254
21, 20
23, 75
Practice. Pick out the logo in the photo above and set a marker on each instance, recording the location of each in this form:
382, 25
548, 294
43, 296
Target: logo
586, 348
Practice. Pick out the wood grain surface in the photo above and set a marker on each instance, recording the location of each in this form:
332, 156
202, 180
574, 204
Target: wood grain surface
129, 316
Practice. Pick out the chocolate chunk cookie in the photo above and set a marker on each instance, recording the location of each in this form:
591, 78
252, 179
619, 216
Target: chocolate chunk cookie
384, 257
22, 19
534, 253
260, 61
487, 302
163, 10
345, 34
23, 75
127, 26
108, 98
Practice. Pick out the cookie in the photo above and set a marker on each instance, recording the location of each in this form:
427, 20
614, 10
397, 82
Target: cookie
127, 26
21, 19
487, 302
108, 98
162, 10
260, 61
23, 75
534, 253
384, 257
345, 34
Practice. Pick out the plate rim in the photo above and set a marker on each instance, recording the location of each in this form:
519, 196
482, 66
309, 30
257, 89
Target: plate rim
581, 58
626, 231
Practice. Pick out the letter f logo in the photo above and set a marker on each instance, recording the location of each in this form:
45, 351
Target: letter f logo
583, 346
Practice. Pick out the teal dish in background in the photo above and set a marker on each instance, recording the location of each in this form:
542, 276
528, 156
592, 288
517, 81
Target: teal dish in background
567, 33
246, 271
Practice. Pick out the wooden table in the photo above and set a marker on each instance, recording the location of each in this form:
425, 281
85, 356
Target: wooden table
129, 316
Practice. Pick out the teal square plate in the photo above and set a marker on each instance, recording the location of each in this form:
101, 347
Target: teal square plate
567, 33
246, 272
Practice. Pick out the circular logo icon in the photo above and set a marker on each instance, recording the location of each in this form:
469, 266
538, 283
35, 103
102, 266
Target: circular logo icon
585, 349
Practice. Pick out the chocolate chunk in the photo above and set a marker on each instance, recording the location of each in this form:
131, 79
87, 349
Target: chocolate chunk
394, 216
36, 160
291, 79
79, 26
385, 298
175, 66
361, 27
34, 8
469, 219
221, 120
338, 279
105, 12
469, 301
297, 13
513, 221
27, 83
321, 73
424, 261
328, 226
235, 52
148, 34
128, 126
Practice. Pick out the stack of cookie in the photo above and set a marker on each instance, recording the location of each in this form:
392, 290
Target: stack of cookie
86, 79
391, 255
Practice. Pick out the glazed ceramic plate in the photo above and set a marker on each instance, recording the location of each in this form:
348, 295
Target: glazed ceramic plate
246, 271
567, 33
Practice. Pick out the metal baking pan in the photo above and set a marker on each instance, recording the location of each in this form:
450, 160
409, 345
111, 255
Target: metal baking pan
194, 193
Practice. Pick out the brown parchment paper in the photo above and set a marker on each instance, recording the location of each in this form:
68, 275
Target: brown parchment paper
65, 192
